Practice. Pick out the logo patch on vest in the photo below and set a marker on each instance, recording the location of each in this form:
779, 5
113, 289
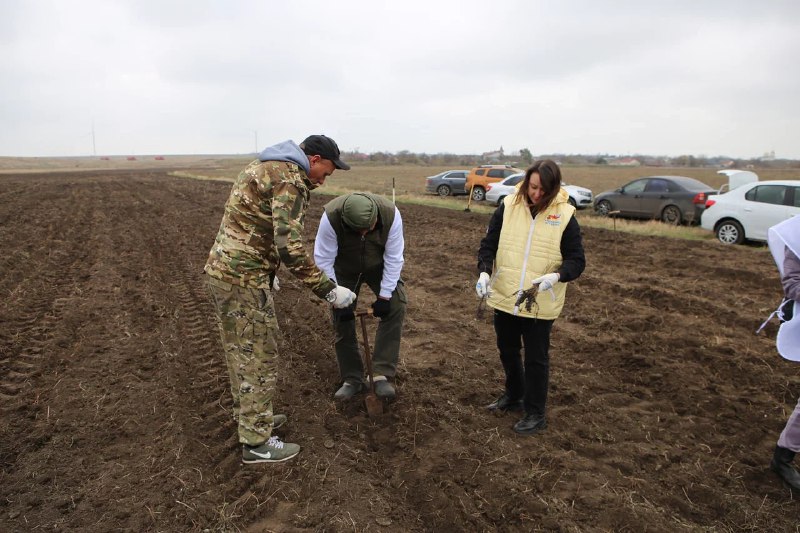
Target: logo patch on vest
553, 220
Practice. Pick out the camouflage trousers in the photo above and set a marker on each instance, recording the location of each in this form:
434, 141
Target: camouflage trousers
249, 331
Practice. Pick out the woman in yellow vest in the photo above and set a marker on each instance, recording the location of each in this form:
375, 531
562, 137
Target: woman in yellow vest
533, 240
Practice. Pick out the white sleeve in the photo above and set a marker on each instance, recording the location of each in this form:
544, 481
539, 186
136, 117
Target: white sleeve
326, 246
393, 256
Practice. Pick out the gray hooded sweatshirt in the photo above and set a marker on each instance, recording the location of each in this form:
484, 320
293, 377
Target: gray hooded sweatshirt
285, 151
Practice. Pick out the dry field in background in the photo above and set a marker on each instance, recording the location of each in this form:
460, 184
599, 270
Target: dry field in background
408, 182
408, 179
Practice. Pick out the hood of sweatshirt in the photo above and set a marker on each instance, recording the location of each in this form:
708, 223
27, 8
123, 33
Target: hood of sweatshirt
285, 151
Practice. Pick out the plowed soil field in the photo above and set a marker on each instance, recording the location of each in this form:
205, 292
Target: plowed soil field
664, 406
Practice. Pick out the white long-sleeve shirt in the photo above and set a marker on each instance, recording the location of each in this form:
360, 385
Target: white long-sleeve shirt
326, 248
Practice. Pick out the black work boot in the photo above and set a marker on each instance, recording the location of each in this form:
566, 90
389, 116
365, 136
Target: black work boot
781, 465
530, 424
505, 403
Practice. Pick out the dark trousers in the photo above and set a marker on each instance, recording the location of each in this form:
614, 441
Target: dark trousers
386, 347
528, 380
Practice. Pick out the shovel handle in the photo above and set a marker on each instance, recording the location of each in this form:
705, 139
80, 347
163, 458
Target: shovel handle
367, 355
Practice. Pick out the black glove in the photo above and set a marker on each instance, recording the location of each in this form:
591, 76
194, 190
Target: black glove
381, 308
344, 315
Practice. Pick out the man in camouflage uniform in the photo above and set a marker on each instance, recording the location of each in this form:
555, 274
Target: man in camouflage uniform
261, 228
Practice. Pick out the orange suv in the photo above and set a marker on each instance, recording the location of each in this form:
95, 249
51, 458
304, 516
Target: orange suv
479, 177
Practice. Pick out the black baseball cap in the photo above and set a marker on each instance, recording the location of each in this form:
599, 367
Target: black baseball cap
326, 148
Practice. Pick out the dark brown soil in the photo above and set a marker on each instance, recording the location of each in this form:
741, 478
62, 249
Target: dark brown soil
664, 406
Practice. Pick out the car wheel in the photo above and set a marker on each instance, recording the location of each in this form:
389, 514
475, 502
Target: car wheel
671, 215
603, 208
478, 194
443, 190
730, 232
573, 203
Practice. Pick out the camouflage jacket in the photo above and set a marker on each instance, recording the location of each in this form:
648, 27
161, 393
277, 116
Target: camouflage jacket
262, 227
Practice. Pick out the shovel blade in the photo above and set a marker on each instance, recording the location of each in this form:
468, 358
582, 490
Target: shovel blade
374, 405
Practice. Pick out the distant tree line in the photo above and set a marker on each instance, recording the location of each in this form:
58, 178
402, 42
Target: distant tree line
525, 157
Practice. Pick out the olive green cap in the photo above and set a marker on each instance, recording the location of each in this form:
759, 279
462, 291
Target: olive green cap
359, 211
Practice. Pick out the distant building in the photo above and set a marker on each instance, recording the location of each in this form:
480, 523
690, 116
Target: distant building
651, 161
623, 162
497, 155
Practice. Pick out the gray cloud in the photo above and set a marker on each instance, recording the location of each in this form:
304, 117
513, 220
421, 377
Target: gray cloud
712, 77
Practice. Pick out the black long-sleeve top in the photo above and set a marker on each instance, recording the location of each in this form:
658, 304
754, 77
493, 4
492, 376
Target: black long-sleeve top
573, 258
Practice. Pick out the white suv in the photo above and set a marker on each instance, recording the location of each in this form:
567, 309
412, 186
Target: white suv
579, 197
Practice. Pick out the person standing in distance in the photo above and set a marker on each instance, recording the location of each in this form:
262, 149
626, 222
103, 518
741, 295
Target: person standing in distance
360, 240
532, 239
262, 227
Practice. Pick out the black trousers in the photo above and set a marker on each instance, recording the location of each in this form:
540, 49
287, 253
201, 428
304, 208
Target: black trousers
528, 380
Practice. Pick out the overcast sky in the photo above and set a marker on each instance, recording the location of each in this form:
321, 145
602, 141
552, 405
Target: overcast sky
701, 77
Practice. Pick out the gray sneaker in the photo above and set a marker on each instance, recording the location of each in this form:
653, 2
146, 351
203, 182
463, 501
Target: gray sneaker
384, 389
347, 390
272, 451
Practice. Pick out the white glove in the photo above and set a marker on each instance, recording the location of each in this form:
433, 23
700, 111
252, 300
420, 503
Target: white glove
276, 286
341, 297
483, 287
546, 282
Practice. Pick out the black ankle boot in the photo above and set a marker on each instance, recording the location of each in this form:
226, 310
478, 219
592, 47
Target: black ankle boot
781, 465
505, 403
530, 424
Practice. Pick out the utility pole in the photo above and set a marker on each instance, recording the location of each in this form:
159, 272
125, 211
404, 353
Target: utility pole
255, 134
94, 147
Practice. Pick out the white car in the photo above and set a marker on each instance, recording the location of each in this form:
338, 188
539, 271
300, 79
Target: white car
579, 197
748, 211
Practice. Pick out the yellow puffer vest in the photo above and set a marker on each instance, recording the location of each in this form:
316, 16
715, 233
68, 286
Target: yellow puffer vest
530, 248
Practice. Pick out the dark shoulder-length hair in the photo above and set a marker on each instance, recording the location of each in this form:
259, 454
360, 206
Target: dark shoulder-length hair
550, 180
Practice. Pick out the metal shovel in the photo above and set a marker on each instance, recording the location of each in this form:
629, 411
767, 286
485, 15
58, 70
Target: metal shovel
374, 404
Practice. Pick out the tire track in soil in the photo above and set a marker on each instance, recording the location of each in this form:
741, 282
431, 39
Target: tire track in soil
42, 282
54, 289
178, 337
199, 447
107, 260
59, 323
